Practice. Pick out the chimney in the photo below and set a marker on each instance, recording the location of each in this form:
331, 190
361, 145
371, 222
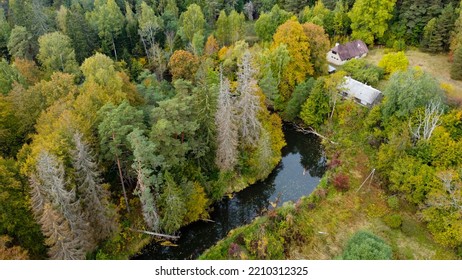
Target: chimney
336, 44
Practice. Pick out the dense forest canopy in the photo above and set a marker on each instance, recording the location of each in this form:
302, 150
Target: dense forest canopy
139, 114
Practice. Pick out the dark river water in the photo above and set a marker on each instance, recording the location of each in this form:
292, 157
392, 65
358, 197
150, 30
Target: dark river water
298, 173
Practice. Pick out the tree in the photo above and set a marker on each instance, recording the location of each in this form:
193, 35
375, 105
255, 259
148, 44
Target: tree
393, 62
320, 45
249, 103
361, 70
94, 197
183, 65
56, 53
221, 29
17, 220
408, 91
9, 76
13, 252
268, 23
292, 35
369, 19
172, 205
191, 22
316, 108
432, 39
427, 123
5, 31
83, 37
58, 211
341, 20
144, 164
249, 10
300, 95
211, 47
109, 21
364, 245
116, 123
235, 26
149, 25
318, 15
20, 43
227, 130
456, 66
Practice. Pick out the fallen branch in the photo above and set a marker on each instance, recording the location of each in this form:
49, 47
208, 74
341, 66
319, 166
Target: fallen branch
312, 131
207, 220
156, 234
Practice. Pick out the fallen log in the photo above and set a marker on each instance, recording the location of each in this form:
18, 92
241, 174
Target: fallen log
156, 234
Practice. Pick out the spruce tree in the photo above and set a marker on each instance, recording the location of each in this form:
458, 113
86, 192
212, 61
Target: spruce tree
456, 67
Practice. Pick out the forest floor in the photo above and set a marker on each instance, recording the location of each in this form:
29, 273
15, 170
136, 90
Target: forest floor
437, 65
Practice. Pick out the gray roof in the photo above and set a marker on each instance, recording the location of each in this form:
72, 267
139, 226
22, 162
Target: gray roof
366, 94
351, 49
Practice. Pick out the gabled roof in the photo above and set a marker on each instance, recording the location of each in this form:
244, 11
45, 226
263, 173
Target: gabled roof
351, 49
366, 94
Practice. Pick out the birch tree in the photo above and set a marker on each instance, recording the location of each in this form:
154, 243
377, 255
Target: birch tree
427, 122
94, 197
227, 132
248, 102
149, 25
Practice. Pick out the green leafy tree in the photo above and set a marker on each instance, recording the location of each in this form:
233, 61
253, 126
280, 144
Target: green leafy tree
364, 245
361, 70
341, 20
116, 123
408, 91
235, 26
108, 19
369, 19
191, 22
9, 76
221, 29
56, 53
267, 23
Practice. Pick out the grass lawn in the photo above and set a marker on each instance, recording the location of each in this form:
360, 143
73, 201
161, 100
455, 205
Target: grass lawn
435, 64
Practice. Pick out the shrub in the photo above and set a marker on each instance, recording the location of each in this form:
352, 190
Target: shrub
393, 221
364, 245
394, 62
393, 202
341, 182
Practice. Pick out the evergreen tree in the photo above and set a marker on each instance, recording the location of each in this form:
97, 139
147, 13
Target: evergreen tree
5, 31
20, 43
316, 108
172, 205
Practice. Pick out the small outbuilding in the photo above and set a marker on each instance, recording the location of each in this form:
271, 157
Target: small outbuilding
341, 53
359, 92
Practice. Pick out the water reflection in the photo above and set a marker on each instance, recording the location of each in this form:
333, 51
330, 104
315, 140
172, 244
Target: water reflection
297, 174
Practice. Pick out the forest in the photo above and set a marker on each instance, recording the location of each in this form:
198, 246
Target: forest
120, 117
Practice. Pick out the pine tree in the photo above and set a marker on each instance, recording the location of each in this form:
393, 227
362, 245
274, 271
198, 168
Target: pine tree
144, 164
248, 102
227, 132
94, 198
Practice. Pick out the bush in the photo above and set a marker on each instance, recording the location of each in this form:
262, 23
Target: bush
362, 71
341, 182
393, 221
393, 202
366, 246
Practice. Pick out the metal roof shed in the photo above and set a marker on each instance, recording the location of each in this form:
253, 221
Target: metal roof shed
361, 93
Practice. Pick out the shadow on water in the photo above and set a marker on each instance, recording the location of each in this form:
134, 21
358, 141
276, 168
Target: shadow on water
298, 173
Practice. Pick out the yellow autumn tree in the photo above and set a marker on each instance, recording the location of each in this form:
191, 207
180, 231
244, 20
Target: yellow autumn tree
292, 35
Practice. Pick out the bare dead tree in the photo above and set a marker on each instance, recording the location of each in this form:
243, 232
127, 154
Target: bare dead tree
148, 204
427, 122
249, 9
94, 197
227, 131
249, 102
451, 197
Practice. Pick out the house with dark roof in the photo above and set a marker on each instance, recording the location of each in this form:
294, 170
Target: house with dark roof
359, 92
340, 54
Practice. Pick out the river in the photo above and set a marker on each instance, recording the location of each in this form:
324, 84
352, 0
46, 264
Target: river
298, 173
